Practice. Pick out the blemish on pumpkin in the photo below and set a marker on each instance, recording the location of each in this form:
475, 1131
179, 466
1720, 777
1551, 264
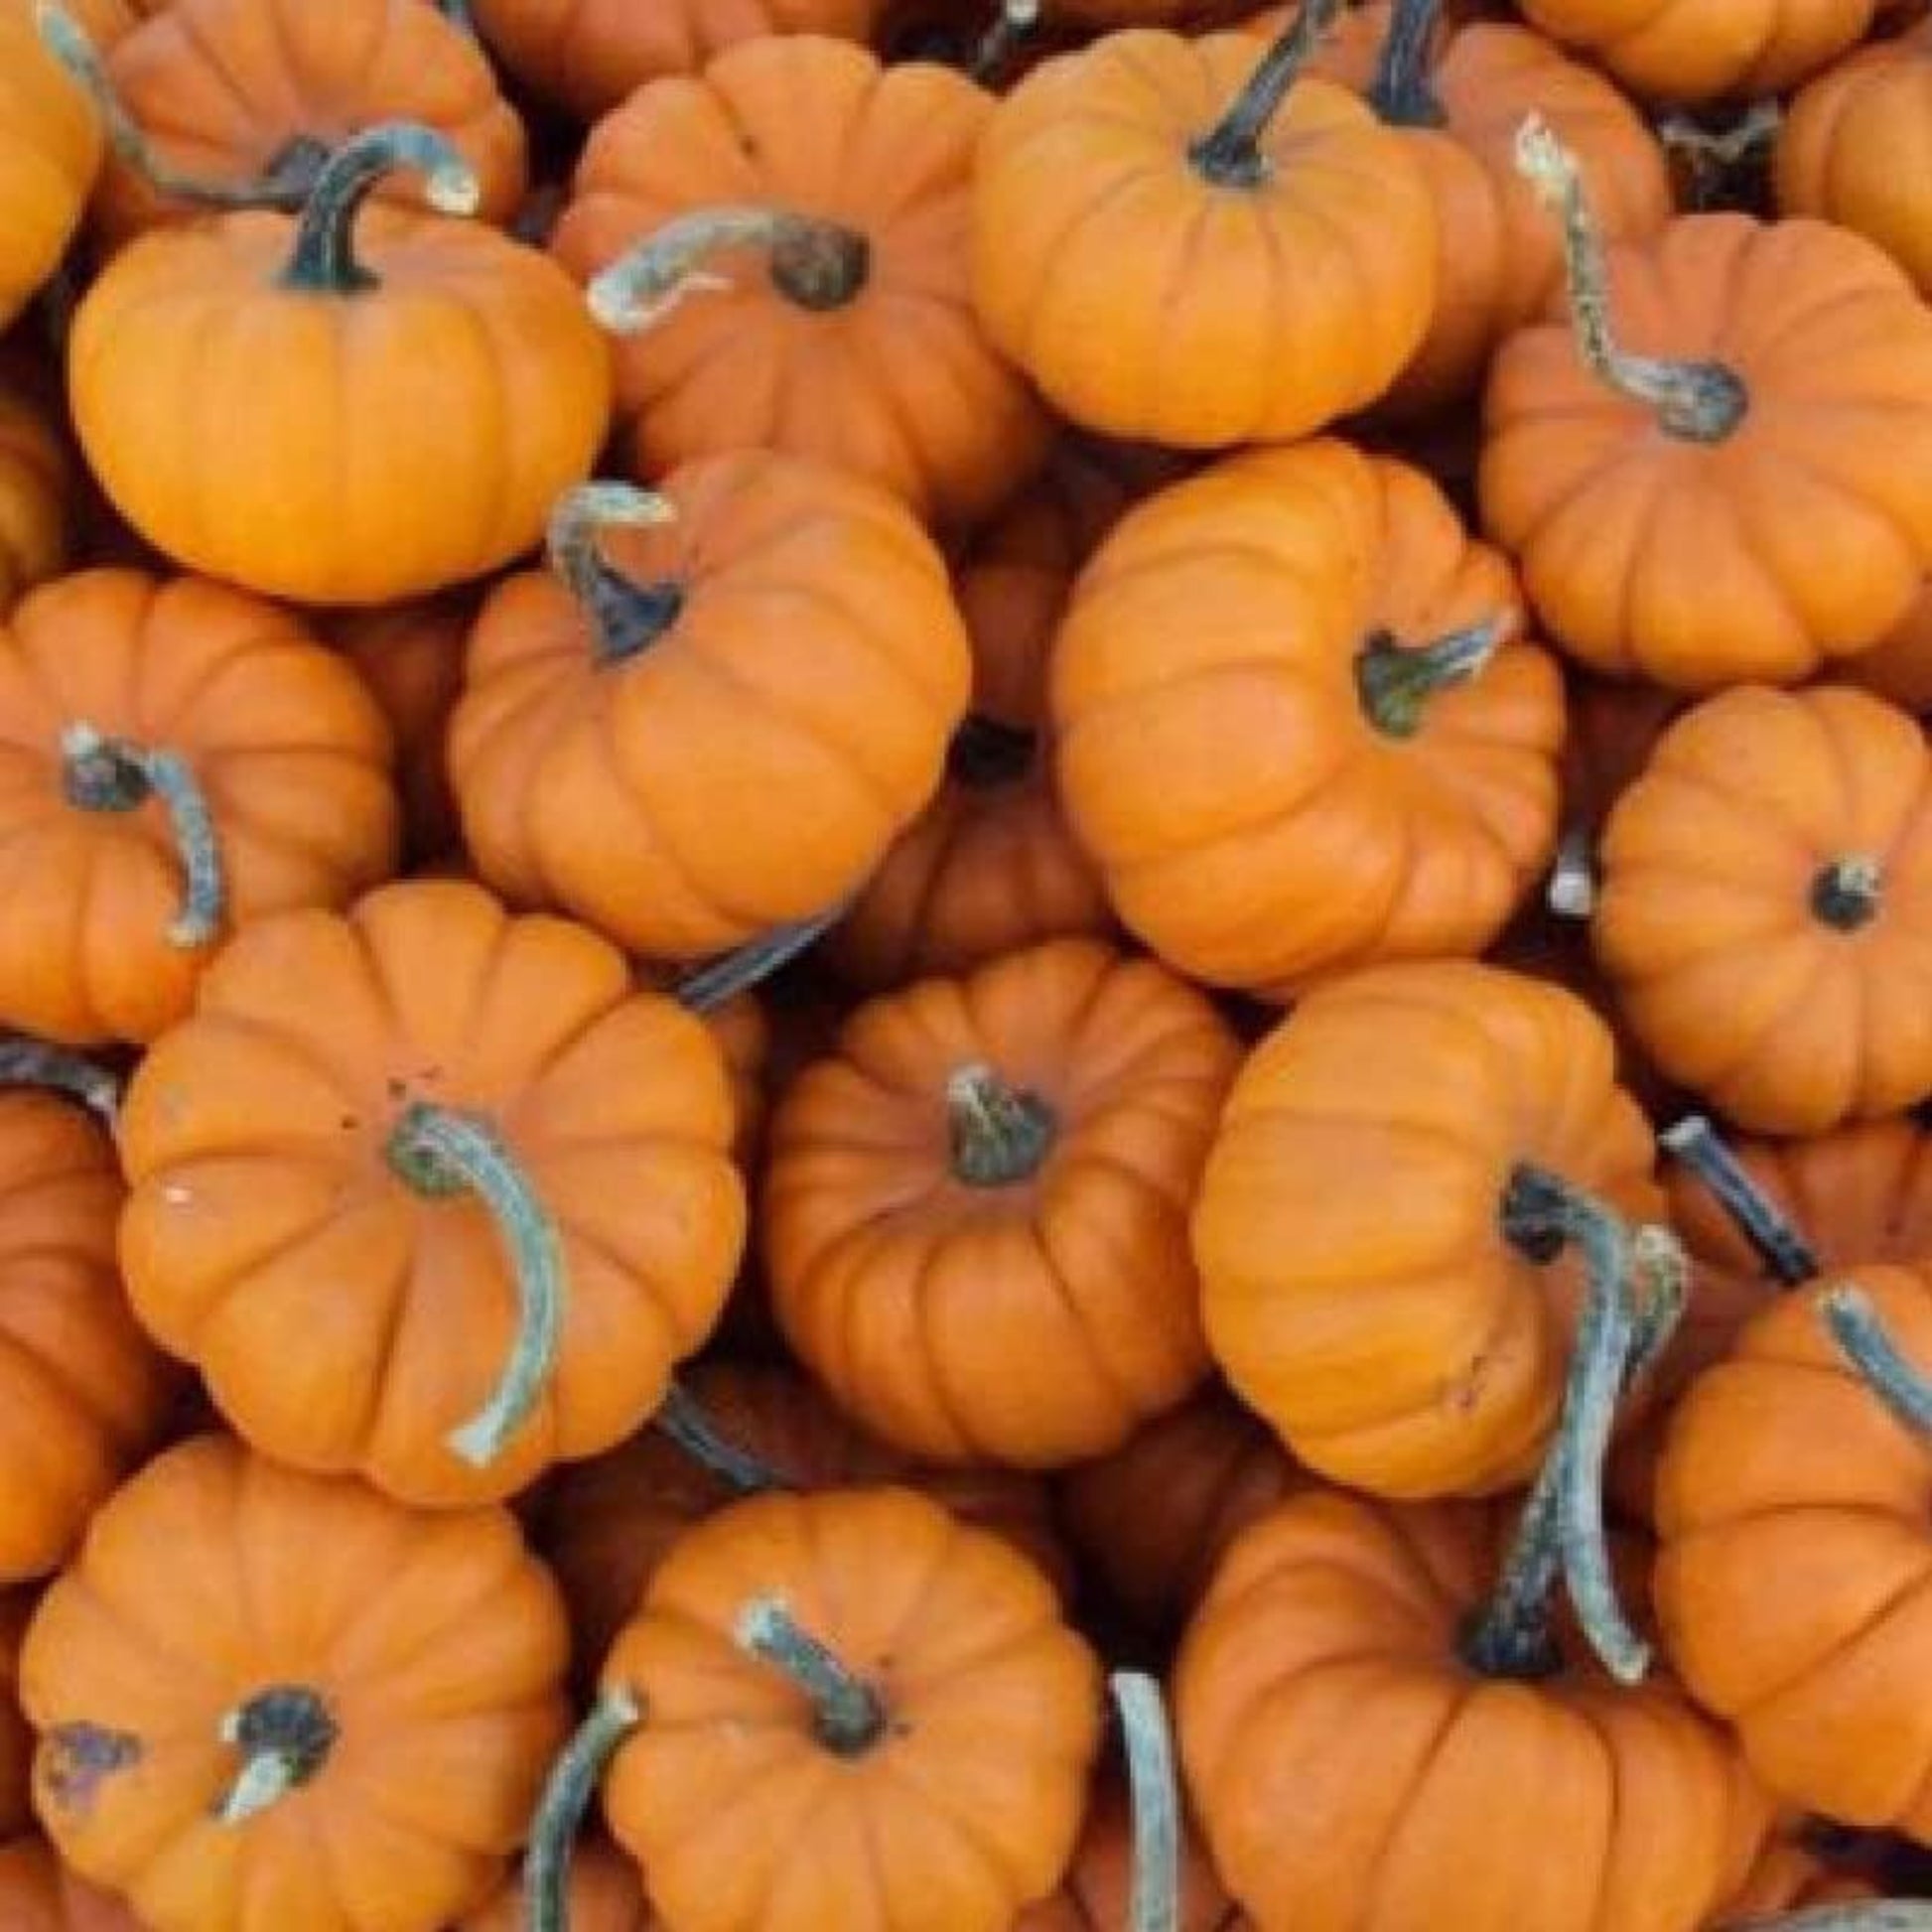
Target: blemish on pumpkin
80, 1758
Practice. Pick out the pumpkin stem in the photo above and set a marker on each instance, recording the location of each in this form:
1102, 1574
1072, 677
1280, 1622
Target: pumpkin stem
1395, 682
1229, 155
1712, 158
1401, 93
1854, 1915
683, 1421
707, 987
1571, 890
459, 13
1001, 41
1149, 1741
1000, 1134
626, 619
285, 1734
1760, 1220
115, 774
567, 1794
1699, 402
1865, 1342
850, 1716
986, 753
1848, 892
29, 1062
322, 260
815, 263
1660, 1290
440, 1154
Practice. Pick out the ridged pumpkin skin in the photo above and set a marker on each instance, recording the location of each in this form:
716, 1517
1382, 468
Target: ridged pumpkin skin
342, 1320
1148, 302
968, 1807
1791, 1015
1352, 1772
1358, 1287
1029, 1322
687, 797
1808, 526
39, 1895
16, 1740
286, 746
607, 1894
222, 87
1254, 824
49, 152
1782, 1463
436, 1645
897, 382
36, 481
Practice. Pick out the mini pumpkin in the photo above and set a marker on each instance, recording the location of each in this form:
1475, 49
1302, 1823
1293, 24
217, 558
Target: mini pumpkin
429, 1193
36, 478
38, 1894
50, 153
244, 1669
1900, 666
975, 1213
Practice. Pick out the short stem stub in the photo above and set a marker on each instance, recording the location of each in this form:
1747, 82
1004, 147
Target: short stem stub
1229, 155
986, 753
284, 1734
1400, 92
1848, 892
437, 1154
567, 1795
1865, 1341
626, 618
1012, 25
707, 987
1571, 890
849, 1716
1760, 1220
1149, 1743
1395, 682
26, 1062
682, 1419
1721, 166
1001, 1135
1697, 402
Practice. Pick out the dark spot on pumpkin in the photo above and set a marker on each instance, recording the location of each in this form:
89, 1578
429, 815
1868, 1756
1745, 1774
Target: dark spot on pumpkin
80, 1757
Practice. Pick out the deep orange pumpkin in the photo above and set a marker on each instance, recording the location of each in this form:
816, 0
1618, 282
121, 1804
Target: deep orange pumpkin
1900, 666
36, 478
38, 1894
49, 152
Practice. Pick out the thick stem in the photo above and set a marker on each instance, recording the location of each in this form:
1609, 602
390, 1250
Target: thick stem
1395, 682
322, 260
1698, 402
682, 1419
440, 1154
1230, 156
567, 1795
707, 987
114, 774
1660, 1290
1401, 93
626, 618
1760, 1220
1719, 163
1854, 1915
849, 1716
1149, 1743
986, 753
285, 1736
26, 1062
1001, 1135
1571, 890
1000, 45
1865, 1341
1849, 892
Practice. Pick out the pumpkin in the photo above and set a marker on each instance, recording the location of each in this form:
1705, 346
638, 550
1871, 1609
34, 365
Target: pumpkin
38, 1894
36, 478
1182, 243
801, 282
844, 1709
432, 386
429, 1193
628, 746
1761, 917
49, 152
1293, 727
1900, 666
247, 1665
974, 1214
16, 1740
176, 759
607, 1894
1723, 407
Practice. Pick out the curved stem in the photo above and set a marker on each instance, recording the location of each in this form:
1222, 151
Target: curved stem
1400, 93
26, 1062
1003, 40
1849, 892
439, 1153
1571, 890
115, 774
1395, 682
1149, 1742
626, 618
1000, 1135
285, 1736
1230, 154
567, 1794
1865, 1341
1712, 157
322, 260
815, 263
707, 987
849, 1716
1760, 1220
682, 1419
1699, 402
1660, 1290
1854, 1915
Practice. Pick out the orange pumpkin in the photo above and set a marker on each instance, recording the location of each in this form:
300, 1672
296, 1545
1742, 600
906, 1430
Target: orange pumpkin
628, 746
429, 1193
39, 1895
16, 1740
36, 478
1741, 422
1789, 1877
49, 152
1900, 666
1765, 916
1178, 243
605, 1894
177, 760
801, 283
426, 387
1294, 727
244, 1669
975, 1213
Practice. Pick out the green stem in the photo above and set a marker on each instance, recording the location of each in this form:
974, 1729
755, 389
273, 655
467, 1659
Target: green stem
849, 1717
1149, 1742
1848, 892
567, 1794
1001, 1136
1854, 1915
1865, 1342
1571, 890
26, 1062
459, 13
1760, 1220
707, 987
285, 1736
1660, 1290
626, 618
1395, 682
682, 1419
1000, 45
1401, 93
1229, 155
440, 1154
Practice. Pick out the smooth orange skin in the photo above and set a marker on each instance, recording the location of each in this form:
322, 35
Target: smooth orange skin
694, 795
398, 440
1899, 668
290, 752
966, 1811
1352, 1773
1692, 50
222, 86
1032, 1324
607, 1894
1809, 528
1705, 927
49, 152
1358, 1286
1148, 302
609, 1522
343, 1322
436, 1644
1823, 1675
1254, 827
899, 385
35, 484
16, 1740
39, 1895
